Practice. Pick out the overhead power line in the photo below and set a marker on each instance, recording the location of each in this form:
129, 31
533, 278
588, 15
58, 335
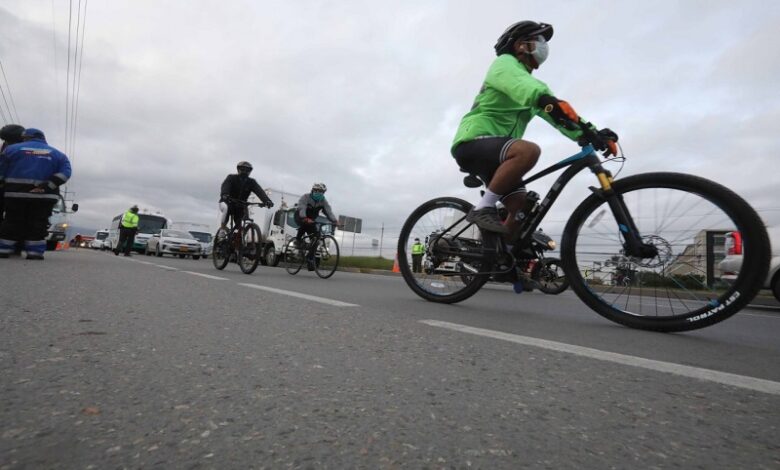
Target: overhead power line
75, 66
67, 75
77, 75
10, 95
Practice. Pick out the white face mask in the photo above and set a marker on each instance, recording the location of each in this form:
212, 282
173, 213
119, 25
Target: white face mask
541, 50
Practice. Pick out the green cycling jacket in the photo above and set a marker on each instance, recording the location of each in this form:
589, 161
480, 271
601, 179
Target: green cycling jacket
506, 103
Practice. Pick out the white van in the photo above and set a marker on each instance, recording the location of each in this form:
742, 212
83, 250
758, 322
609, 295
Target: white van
98, 243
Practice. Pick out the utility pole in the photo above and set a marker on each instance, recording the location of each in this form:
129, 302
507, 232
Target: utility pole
381, 239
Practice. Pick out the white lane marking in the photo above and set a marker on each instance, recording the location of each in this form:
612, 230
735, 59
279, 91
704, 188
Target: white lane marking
313, 298
765, 315
208, 276
734, 380
169, 268
146, 262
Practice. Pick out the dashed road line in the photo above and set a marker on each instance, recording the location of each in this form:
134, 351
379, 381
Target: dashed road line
734, 380
313, 298
169, 268
207, 276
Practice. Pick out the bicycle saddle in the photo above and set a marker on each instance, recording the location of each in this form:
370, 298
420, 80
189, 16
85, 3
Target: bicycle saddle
471, 180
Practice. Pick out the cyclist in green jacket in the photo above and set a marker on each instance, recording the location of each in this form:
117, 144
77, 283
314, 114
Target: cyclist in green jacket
489, 140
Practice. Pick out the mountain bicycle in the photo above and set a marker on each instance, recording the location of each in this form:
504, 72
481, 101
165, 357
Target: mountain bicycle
320, 251
659, 227
242, 242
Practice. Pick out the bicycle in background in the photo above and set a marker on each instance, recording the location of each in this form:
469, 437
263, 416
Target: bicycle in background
320, 251
242, 243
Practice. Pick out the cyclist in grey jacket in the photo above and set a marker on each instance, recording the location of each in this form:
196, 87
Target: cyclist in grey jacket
309, 207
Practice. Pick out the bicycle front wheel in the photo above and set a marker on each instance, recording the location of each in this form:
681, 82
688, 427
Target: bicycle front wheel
326, 256
294, 257
250, 249
445, 272
220, 254
682, 288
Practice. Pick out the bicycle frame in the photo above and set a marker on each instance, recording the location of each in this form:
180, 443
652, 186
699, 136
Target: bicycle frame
587, 158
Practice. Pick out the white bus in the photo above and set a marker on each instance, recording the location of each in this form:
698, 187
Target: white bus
148, 224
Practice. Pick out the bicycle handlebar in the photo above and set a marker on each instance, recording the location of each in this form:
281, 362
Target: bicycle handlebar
245, 203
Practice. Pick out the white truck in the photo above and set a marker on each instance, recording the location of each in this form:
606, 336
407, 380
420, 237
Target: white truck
58, 223
277, 225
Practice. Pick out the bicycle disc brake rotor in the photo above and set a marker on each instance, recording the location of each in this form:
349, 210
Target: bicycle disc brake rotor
664, 256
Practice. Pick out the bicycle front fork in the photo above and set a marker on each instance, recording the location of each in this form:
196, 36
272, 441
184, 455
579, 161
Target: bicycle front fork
632, 239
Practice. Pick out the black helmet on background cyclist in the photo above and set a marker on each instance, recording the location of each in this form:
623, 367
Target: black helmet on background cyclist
33, 134
523, 30
244, 168
11, 133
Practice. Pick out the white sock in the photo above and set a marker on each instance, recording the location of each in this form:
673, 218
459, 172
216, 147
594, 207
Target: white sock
488, 200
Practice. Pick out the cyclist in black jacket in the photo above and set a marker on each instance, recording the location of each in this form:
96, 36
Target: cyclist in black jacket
239, 186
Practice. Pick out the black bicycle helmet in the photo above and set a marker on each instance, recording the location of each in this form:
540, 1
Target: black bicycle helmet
246, 166
522, 30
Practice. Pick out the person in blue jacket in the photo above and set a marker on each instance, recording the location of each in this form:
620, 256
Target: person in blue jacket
32, 172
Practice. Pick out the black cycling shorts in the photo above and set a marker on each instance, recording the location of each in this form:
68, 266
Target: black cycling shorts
483, 155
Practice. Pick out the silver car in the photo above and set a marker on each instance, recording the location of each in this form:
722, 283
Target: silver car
173, 242
732, 263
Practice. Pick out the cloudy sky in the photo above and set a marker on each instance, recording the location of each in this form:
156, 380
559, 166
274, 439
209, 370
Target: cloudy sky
366, 96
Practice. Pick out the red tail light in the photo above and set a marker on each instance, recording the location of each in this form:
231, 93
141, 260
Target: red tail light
734, 243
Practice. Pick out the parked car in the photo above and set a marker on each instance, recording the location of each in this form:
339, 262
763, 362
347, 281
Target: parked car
205, 241
173, 242
731, 264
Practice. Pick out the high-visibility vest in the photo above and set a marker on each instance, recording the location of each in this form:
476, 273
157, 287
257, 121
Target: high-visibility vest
418, 249
129, 220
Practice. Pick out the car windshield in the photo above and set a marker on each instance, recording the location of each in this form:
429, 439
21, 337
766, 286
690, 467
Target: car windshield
101, 235
151, 223
204, 237
175, 234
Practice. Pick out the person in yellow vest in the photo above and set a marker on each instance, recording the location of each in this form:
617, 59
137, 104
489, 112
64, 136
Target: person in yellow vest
417, 254
128, 225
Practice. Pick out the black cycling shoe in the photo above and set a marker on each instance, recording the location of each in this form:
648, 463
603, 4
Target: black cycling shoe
34, 256
5, 255
487, 219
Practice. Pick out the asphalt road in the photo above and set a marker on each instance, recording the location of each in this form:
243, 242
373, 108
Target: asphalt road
108, 362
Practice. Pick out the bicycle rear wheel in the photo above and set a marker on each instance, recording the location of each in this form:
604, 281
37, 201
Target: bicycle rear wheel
294, 257
447, 273
220, 254
326, 256
685, 217
249, 251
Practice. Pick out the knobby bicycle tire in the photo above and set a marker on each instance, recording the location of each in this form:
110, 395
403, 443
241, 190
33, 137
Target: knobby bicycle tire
711, 307
250, 248
424, 284
220, 252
